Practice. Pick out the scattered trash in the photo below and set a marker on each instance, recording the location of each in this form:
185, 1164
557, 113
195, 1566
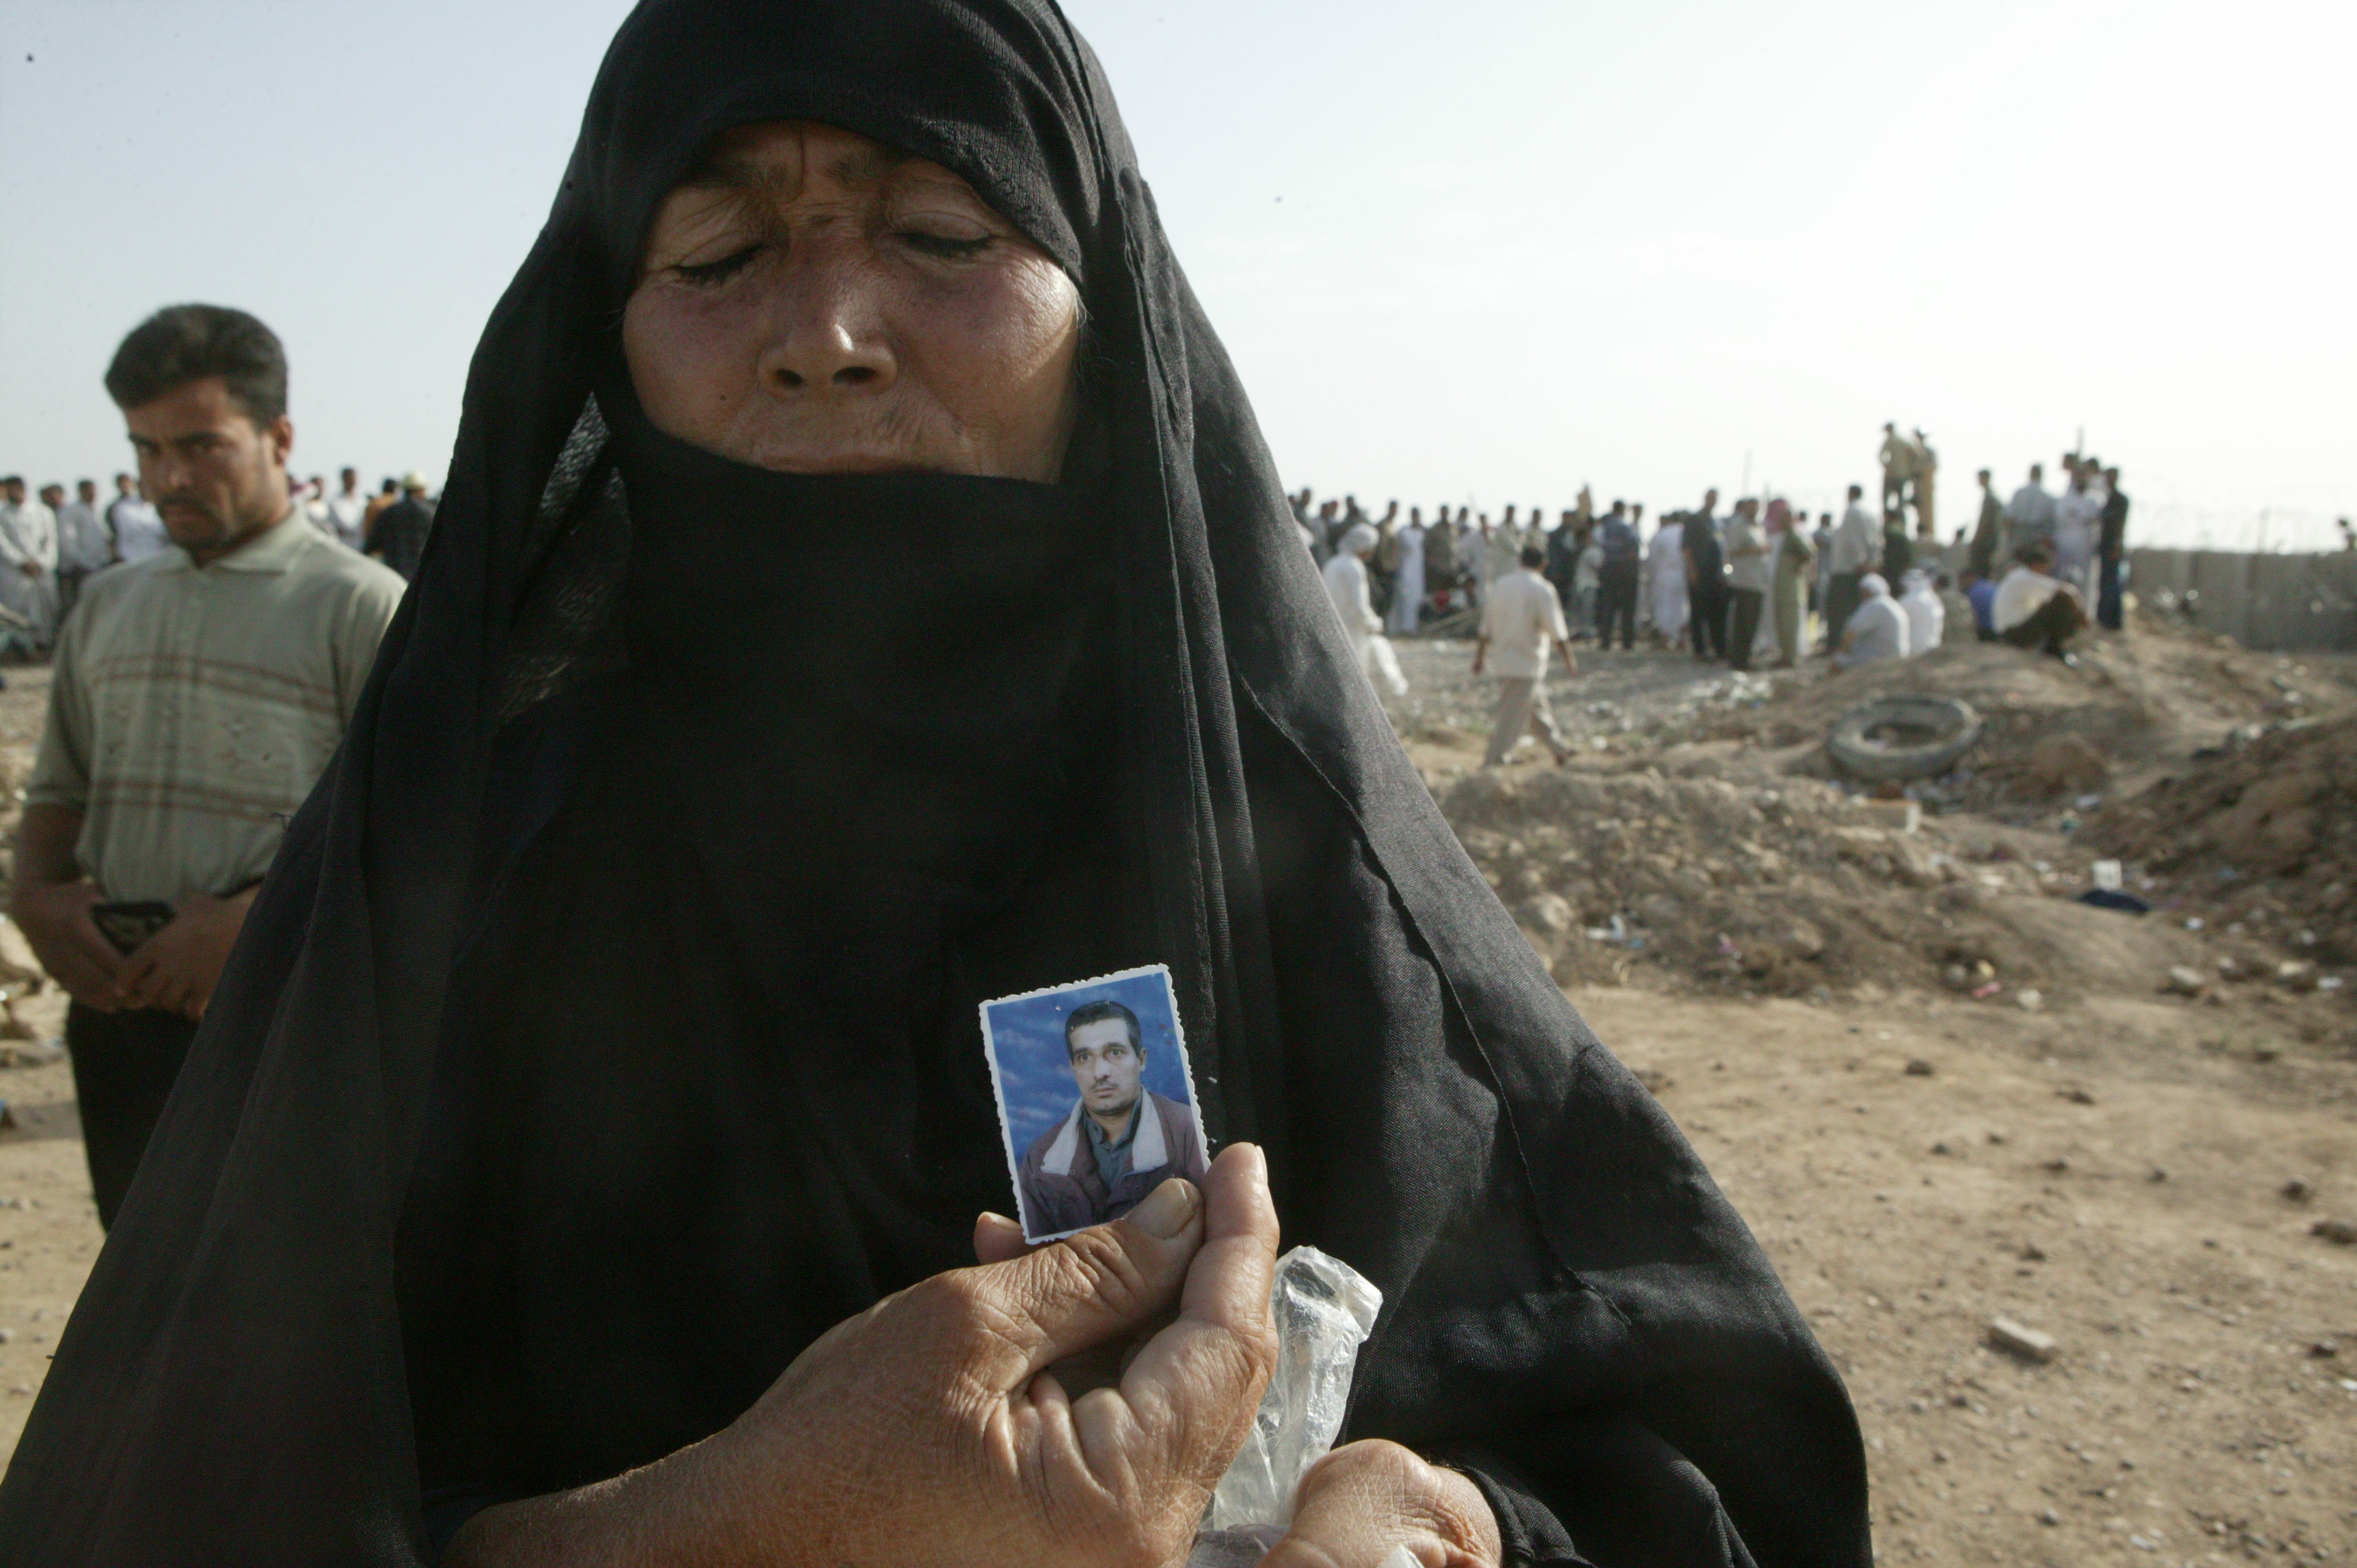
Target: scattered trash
2107, 873
2028, 1001
2113, 898
2015, 1339
1903, 737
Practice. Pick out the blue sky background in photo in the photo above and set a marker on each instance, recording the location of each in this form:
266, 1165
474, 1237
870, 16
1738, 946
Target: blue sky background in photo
1036, 1074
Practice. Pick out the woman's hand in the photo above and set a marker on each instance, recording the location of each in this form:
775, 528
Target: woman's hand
1366, 1500
926, 1431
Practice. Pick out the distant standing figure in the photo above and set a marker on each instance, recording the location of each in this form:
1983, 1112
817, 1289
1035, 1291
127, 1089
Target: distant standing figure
2111, 549
398, 535
1706, 579
29, 561
2078, 517
1926, 474
1857, 546
1668, 562
1522, 619
1620, 563
1407, 582
1898, 458
84, 546
197, 695
1988, 534
348, 512
1347, 586
2030, 513
137, 527
1876, 630
1747, 582
1796, 560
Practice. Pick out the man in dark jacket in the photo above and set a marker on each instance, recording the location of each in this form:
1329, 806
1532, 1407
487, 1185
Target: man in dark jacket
397, 537
2109, 552
1121, 1140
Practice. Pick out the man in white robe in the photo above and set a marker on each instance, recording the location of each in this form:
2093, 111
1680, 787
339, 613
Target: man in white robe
28, 563
1354, 605
1666, 561
2078, 519
133, 520
1876, 629
84, 547
2030, 515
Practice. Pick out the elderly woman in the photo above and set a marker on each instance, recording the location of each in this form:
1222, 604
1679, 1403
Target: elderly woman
580, 1160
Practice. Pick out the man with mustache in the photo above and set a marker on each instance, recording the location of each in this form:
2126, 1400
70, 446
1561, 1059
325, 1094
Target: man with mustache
1121, 1140
197, 695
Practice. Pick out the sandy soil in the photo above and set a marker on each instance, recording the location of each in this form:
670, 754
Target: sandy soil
2109, 1172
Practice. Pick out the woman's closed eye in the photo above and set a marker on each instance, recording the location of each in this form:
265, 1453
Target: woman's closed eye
952, 247
706, 274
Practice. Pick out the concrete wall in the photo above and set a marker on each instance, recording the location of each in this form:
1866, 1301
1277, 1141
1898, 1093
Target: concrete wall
2261, 601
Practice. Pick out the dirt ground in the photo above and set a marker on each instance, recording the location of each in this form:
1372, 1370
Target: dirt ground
2136, 1174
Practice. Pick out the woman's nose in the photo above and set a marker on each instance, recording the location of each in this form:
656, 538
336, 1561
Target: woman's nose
827, 331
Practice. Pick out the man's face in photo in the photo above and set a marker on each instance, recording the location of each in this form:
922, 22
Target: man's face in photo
1107, 1067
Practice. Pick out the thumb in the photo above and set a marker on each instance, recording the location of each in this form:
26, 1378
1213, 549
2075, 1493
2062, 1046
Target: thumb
1089, 1288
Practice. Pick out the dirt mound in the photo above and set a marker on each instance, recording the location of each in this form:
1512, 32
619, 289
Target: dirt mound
2263, 835
2056, 732
1790, 888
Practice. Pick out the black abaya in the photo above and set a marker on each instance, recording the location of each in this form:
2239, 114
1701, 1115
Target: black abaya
435, 1119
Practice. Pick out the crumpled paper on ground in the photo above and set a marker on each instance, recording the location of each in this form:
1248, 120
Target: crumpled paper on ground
1323, 1310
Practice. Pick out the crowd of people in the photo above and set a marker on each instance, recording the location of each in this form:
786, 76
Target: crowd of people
1750, 586
51, 545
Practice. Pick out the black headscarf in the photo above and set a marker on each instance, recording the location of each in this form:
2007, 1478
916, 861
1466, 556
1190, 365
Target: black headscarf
1572, 1312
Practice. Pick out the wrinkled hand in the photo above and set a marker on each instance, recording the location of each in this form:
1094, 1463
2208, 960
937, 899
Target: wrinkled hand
927, 1431
1366, 1500
72, 950
177, 969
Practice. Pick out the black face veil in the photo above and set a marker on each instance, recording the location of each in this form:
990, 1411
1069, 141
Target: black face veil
1572, 1311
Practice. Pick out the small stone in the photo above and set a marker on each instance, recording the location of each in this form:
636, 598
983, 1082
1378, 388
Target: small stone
2028, 1001
2295, 974
1941, 1149
2032, 1253
2337, 1231
1919, 1067
2324, 1349
1548, 912
2058, 1165
2155, 1174
2297, 1191
6, 1335
2049, 1517
2185, 980
2015, 1339
2076, 1095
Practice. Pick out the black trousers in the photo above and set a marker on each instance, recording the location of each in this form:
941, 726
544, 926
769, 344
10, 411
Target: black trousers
1841, 603
1706, 626
1616, 603
1744, 606
2056, 622
124, 1064
2107, 594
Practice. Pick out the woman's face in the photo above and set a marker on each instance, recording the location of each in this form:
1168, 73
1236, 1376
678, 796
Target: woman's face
818, 303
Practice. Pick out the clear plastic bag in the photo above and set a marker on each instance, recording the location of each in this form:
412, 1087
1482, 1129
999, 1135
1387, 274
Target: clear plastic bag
1323, 1309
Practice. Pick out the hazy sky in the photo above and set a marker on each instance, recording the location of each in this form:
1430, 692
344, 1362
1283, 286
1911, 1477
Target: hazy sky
1483, 252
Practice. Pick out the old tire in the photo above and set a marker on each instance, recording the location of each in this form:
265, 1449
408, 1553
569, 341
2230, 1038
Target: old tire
1895, 739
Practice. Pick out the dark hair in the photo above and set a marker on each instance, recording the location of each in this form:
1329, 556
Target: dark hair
12, 478
1097, 1012
2034, 551
184, 343
1533, 557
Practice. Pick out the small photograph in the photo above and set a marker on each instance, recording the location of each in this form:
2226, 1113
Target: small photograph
1095, 1101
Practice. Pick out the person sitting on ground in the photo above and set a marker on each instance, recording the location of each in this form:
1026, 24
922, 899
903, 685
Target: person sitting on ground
1876, 629
1524, 617
1927, 618
1980, 591
590, 1155
2034, 608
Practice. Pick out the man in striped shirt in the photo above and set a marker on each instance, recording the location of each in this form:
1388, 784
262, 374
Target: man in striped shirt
197, 697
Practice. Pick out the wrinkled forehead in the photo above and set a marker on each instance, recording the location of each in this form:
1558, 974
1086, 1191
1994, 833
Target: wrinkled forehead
998, 91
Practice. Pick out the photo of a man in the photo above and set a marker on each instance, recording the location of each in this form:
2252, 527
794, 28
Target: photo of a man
1121, 1139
